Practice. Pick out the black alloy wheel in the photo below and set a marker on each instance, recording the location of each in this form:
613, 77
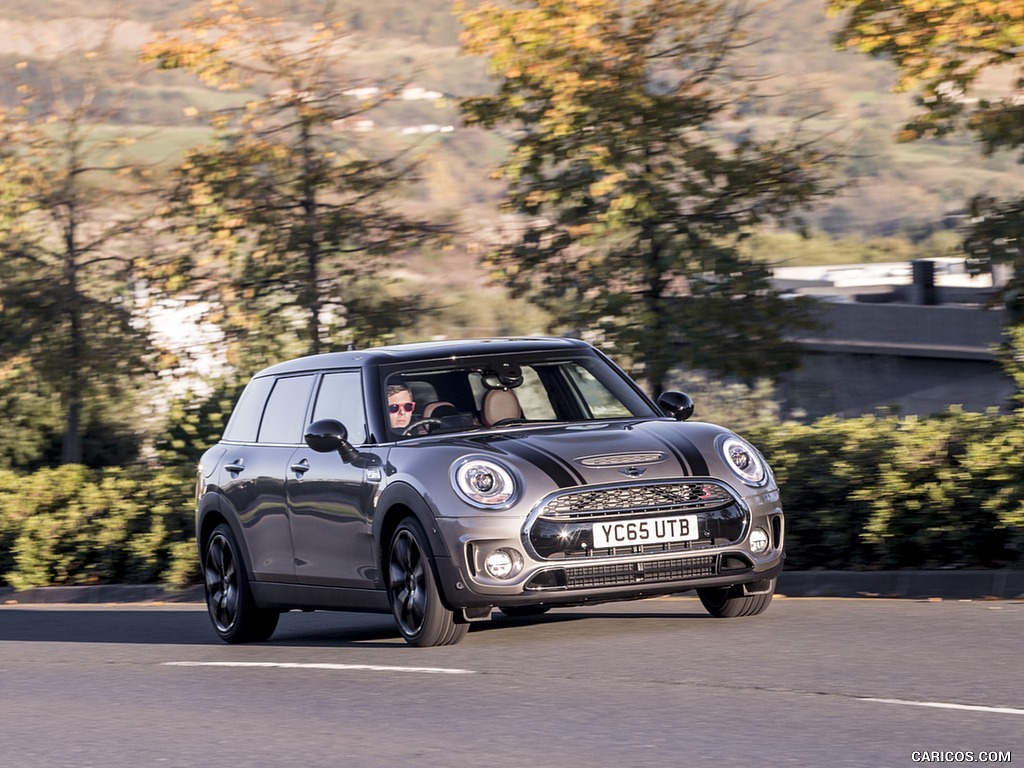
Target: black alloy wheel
234, 613
731, 603
422, 617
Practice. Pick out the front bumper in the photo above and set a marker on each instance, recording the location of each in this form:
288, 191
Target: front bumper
628, 581
563, 567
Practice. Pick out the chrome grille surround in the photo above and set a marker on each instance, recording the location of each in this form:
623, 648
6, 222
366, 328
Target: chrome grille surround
561, 525
623, 500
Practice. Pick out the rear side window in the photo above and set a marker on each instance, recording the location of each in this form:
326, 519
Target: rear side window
284, 417
341, 397
245, 418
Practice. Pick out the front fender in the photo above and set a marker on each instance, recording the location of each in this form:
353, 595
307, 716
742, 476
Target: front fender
397, 500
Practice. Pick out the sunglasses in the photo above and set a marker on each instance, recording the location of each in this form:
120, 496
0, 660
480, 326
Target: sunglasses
396, 407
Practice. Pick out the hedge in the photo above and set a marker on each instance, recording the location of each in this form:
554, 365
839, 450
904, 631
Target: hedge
867, 493
75, 525
884, 492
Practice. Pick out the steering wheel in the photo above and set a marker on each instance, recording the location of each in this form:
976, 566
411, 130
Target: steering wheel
508, 421
421, 423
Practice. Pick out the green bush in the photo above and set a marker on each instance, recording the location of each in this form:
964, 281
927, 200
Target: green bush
929, 507
820, 469
75, 525
882, 492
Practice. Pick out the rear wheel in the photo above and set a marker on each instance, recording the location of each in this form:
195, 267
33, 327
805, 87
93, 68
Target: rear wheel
731, 603
415, 599
229, 600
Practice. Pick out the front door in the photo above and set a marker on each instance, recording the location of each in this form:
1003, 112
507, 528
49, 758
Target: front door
329, 501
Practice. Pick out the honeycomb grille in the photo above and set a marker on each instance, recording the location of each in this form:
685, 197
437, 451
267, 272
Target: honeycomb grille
614, 574
630, 499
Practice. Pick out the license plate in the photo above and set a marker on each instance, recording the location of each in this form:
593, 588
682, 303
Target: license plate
655, 530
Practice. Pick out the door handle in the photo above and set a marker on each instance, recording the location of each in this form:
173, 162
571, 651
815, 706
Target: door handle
301, 467
238, 465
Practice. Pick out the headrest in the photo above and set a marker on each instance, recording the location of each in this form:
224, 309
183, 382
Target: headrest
500, 404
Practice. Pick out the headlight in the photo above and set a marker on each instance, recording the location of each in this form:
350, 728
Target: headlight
483, 483
743, 459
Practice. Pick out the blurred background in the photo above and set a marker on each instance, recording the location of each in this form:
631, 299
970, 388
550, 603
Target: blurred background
786, 209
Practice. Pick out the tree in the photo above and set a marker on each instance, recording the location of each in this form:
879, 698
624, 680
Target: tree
1011, 356
291, 229
69, 236
633, 198
965, 61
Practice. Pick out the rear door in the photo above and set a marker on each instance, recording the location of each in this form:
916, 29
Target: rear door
253, 473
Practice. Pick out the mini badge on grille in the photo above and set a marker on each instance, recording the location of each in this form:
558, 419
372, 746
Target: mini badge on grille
633, 471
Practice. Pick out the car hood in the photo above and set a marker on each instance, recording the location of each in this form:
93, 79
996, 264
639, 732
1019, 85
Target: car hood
589, 453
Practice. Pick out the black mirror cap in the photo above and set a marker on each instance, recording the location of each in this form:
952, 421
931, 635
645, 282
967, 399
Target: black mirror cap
678, 405
328, 435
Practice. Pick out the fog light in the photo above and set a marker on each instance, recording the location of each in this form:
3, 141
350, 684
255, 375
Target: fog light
758, 540
503, 563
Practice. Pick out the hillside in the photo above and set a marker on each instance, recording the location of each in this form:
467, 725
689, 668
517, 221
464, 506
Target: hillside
908, 191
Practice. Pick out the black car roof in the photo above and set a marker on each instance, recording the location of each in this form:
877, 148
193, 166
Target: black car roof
427, 350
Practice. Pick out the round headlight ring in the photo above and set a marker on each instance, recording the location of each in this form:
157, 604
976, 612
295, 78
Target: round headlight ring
743, 459
484, 482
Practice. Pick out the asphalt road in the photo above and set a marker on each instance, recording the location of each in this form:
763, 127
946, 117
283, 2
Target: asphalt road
812, 682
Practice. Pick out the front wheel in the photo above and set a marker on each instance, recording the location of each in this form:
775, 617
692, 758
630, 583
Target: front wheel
229, 600
415, 599
731, 603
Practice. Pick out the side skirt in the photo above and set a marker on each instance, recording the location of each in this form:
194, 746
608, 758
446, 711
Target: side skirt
286, 597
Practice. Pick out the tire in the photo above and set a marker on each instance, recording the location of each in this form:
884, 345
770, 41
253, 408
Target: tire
523, 611
422, 618
731, 603
229, 600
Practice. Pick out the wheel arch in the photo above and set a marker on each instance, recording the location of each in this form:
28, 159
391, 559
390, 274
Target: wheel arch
208, 518
397, 502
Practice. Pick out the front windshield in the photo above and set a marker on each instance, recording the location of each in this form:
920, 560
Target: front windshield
484, 394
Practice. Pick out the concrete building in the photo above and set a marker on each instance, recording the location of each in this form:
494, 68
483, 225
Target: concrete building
911, 338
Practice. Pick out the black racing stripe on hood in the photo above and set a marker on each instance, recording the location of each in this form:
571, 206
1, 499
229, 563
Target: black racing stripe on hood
687, 454
561, 472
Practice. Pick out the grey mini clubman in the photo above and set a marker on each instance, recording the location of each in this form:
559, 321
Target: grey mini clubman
441, 481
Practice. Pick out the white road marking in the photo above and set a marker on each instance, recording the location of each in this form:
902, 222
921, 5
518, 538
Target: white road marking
292, 665
945, 705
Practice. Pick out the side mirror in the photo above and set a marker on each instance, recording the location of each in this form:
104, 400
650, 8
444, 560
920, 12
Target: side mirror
678, 405
328, 435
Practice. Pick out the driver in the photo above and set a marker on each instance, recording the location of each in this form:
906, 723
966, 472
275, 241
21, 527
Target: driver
400, 406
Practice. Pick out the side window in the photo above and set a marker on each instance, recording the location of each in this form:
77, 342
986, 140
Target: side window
285, 415
341, 397
245, 418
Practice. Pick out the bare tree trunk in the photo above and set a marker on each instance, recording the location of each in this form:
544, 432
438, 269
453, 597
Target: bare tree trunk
71, 446
313, 304
72, 451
